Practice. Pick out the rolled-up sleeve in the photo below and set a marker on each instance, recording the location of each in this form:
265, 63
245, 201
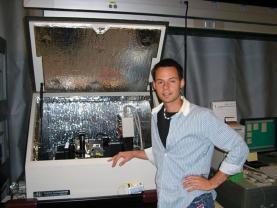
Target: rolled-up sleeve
235, 158
149, 155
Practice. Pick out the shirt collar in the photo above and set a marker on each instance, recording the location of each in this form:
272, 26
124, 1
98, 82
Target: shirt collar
185, 108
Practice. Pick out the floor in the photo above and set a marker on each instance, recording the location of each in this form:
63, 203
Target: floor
217, 205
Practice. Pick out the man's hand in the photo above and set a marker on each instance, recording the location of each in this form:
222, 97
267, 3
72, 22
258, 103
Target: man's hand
121, 158
192, 183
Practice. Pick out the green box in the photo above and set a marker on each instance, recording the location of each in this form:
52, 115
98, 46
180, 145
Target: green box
236, 178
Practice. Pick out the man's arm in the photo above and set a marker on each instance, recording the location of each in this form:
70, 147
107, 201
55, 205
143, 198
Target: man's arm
228, 140
122, 157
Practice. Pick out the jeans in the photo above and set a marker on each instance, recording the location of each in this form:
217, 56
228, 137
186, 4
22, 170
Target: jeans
202, 201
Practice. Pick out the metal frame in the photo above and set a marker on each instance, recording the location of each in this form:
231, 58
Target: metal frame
201, 14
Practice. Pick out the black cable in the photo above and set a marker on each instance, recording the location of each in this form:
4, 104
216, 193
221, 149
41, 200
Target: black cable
151, 96
41, 100
41, 107
185, 45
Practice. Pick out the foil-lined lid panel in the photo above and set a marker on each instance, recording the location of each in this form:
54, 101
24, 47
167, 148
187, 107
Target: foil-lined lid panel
85, 59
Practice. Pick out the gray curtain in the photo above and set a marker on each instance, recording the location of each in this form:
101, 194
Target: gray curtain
12, 29
224, 69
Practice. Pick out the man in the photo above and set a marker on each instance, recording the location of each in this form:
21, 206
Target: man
183, 140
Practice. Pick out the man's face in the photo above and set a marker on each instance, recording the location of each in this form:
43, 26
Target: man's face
168, 84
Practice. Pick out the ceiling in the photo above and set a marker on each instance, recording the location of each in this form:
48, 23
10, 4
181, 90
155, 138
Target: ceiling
263, 3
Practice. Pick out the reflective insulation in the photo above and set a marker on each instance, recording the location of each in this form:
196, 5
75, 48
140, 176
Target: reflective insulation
96, 118
84, 59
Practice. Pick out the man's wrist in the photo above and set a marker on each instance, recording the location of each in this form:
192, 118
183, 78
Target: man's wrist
218, 179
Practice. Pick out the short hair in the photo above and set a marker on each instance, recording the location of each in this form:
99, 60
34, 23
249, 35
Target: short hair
168, 63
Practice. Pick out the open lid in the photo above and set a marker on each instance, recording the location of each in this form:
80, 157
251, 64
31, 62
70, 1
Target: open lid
87, 55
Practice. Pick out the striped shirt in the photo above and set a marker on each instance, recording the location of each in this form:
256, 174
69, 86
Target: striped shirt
193, 133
